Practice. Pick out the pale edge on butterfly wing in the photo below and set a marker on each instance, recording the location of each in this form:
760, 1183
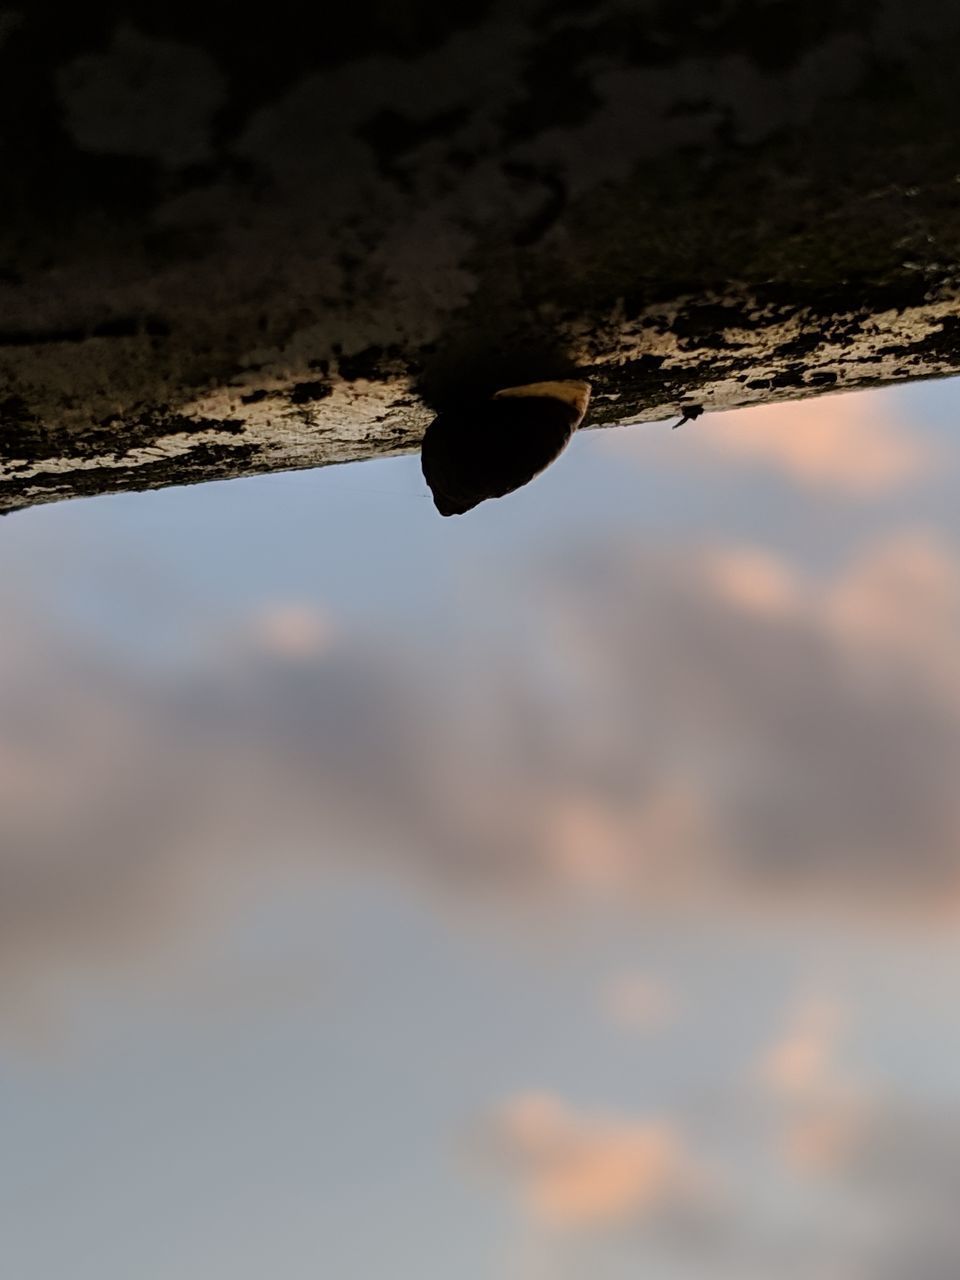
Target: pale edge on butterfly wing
569, 391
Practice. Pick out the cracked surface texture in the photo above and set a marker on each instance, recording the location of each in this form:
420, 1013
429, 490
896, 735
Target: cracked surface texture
228, 247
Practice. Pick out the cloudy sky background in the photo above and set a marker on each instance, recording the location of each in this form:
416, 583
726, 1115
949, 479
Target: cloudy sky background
566, 890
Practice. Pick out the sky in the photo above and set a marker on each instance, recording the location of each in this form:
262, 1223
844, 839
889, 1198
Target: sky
569, 889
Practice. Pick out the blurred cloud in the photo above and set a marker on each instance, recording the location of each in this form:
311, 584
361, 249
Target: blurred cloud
825, 1115
582, 1170
842, 442
663, 728
639, 1002
753, 580
824, 1137
846, 444
908, 1170
903, 605
731, 772
802, 1058
854, 1192
813, 721
294, 630
854, 1184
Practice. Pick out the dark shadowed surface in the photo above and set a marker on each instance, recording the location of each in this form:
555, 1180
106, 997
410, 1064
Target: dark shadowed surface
233, 245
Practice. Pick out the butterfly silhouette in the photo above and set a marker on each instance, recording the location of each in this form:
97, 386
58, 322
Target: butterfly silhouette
489, 448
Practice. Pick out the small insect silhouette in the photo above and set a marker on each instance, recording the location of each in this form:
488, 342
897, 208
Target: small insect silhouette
488, 449
689, 413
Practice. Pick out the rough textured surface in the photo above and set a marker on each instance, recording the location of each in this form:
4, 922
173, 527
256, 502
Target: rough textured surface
230, 248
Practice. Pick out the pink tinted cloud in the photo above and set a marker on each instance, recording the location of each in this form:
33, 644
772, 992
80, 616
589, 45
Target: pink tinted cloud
823, 1115
714, 724
801, 1059
849, 444
842, 442
580, 1170
293, 630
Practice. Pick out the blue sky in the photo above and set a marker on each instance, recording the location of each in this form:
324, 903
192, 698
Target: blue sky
562, 890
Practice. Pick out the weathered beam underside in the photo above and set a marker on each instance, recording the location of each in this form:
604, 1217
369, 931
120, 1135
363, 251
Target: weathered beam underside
222, 254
